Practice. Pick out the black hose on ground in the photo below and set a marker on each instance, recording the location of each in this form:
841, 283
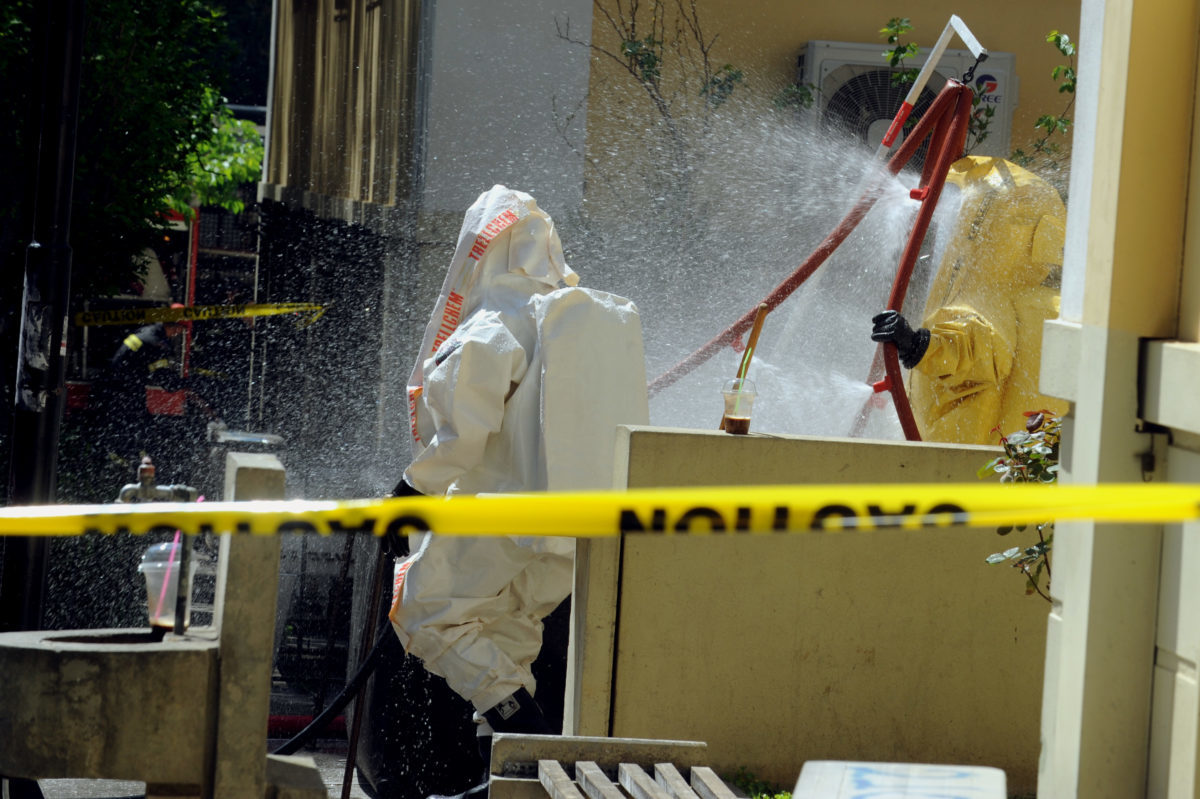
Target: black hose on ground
392, 546
386, 638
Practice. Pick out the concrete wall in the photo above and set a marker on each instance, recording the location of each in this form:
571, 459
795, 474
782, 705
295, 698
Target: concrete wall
499, 80
898, 645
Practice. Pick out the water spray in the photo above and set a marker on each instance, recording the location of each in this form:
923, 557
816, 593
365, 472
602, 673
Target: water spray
945, 125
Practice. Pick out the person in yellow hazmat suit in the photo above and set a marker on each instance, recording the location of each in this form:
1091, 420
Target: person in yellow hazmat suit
975, 358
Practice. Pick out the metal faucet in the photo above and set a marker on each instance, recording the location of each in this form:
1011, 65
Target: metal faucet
144, 490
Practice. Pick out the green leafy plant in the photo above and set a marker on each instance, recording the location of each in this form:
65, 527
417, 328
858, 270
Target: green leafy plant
1030, 456
664, 61
754, 787
643, 57
721, 84
895, 28
150, 78
219, 165
674, 91
1046, 153
794, 97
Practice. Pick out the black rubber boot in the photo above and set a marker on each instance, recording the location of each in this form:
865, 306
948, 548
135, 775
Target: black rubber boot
518, 713
17, 788
484, 742
477, 792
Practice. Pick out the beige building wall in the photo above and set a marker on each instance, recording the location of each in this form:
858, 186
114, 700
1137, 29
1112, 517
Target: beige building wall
1120, 709
763, 39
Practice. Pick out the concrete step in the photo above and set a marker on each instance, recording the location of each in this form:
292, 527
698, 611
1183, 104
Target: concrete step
294, 777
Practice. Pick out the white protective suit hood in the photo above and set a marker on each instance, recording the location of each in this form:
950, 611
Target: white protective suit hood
503, 233
490, 402
520, 385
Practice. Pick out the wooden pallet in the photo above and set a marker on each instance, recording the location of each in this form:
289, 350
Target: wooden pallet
567, 767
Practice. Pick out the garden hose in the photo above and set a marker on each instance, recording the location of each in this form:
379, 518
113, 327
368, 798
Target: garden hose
392, 545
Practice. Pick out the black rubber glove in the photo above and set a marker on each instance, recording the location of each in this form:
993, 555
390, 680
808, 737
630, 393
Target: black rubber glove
403, 489
393, 543
910, 344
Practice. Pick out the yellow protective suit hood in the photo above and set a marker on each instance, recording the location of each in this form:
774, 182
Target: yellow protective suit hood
995, 286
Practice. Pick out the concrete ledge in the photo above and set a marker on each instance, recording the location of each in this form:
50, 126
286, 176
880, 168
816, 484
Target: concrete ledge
1059, 375
107, 704
294, 777
1171, 383
776, 650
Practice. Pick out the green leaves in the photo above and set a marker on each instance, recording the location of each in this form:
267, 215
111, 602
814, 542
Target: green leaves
754, 787
895, 28
1065, 73
644, 57
979, 123
1030, 456
147, 104
721, 85
1044, 153
1032, 561
230, 156
796, 96
1062, 42
1053, 124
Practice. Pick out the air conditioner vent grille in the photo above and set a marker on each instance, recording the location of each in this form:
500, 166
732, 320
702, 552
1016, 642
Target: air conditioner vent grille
867, 97
852, 83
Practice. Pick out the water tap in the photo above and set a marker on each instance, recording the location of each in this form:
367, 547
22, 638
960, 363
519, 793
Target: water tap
145, 490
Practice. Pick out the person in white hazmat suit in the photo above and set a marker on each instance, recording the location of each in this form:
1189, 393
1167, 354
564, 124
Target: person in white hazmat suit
519, 386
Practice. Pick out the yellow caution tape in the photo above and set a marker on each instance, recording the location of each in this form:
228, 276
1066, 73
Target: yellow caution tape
137, 316
691, 511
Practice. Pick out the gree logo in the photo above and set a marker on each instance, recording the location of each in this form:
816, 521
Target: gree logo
987, 84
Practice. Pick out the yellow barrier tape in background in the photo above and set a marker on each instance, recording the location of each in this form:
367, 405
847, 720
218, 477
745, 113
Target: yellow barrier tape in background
767, 509
137, 316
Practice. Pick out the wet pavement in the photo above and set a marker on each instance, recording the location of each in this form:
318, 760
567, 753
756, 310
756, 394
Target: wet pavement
330, 759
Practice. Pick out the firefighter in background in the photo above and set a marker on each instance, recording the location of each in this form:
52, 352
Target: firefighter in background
519, 386
975, 359
148, 357
147, 365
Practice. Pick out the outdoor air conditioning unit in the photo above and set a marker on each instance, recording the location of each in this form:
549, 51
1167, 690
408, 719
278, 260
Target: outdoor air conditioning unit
853, 91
